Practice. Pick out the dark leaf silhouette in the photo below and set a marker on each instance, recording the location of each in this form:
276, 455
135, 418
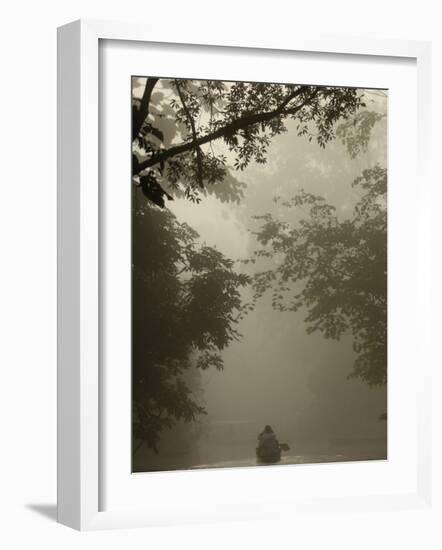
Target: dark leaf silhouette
153, 190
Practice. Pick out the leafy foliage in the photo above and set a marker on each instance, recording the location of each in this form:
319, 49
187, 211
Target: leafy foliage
186, 304
355, 132
335, 269
175, 129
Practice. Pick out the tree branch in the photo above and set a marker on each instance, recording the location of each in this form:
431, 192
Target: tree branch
199, 159
230, 128
143, 111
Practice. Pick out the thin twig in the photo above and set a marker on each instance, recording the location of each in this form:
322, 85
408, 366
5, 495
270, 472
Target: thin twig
199, 159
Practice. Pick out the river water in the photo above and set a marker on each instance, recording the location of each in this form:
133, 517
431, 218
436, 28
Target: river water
287, 459
244, 456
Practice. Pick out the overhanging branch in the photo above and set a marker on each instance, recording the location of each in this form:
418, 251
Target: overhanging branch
229, 129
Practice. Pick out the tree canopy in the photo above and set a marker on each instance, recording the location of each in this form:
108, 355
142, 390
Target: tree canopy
335, 269
186, 307
191, 136
176, 123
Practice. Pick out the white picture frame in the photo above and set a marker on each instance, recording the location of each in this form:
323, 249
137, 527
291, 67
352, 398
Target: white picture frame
79, 437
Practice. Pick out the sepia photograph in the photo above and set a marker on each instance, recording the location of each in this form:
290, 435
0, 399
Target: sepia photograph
259, 274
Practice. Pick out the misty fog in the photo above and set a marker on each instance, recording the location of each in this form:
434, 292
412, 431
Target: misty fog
277, 373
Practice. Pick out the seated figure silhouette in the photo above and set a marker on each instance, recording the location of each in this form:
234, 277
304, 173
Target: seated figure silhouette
268, 446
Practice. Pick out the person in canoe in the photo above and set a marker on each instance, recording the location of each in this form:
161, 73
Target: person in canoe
268, 449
